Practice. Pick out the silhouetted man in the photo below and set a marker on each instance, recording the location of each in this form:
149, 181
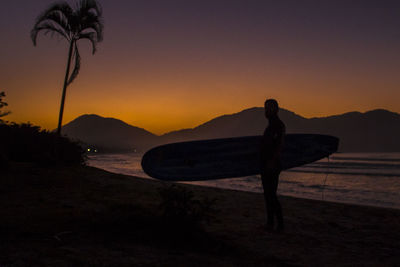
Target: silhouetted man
271, 147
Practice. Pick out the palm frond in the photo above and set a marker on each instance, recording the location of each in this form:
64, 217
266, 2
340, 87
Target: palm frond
89, 6
57, 15
91, 21
90, 15
50, 28
91, 36
77, 65
3, 114
3, 104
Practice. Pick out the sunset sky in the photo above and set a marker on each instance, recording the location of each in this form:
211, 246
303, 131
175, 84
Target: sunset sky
166, 64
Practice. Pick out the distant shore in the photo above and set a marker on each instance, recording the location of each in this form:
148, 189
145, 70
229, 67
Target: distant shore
82, 216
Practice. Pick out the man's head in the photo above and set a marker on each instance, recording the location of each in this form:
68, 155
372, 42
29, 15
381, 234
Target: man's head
271, 108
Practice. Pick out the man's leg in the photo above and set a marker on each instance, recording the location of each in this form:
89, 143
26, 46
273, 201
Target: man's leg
269, 198
277, 205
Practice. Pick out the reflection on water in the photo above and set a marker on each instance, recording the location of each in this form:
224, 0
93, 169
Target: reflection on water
359, 178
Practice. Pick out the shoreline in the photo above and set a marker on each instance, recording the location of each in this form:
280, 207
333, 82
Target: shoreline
87, 216
343, 187
288, 196
239, 190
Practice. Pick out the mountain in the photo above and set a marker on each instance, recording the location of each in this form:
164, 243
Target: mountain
108, 134
247, 122
372, 131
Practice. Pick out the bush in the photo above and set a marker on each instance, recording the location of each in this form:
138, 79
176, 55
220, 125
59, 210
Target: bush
182, 211
28, 143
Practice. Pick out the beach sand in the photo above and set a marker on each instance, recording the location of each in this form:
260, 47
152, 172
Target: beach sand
83, 216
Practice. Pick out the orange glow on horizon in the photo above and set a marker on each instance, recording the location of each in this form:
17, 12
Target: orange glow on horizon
174, 109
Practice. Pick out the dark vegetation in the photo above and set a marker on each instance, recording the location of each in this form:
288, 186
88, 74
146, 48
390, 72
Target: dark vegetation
28, 143
182, 210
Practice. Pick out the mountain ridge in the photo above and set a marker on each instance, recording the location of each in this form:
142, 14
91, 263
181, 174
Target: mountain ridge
371, 131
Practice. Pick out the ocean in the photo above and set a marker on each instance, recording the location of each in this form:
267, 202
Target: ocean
371, 179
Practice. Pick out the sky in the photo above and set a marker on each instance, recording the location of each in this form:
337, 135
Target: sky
167, 64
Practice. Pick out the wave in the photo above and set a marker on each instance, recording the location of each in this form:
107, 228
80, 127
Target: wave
354, 164
347, 173
364, 159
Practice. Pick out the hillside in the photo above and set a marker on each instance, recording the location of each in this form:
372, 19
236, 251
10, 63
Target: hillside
108, 134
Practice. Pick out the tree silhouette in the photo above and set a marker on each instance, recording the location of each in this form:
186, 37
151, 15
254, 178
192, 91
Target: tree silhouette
2, 105
83, 22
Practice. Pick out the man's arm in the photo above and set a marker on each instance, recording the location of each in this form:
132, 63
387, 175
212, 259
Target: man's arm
277, 145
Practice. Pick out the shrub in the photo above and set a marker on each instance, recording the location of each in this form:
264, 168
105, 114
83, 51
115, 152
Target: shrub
182, 211
28, 143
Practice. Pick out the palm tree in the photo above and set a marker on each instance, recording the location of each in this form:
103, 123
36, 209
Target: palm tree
83, 22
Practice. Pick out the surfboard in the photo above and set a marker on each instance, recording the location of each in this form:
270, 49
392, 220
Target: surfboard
230, 157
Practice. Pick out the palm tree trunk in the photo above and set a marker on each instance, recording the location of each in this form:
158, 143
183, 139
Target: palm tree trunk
65, 88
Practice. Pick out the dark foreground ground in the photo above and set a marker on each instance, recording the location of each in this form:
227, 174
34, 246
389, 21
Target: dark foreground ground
84, 216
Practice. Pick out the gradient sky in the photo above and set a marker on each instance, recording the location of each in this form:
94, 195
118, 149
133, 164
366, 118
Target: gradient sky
166, 64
